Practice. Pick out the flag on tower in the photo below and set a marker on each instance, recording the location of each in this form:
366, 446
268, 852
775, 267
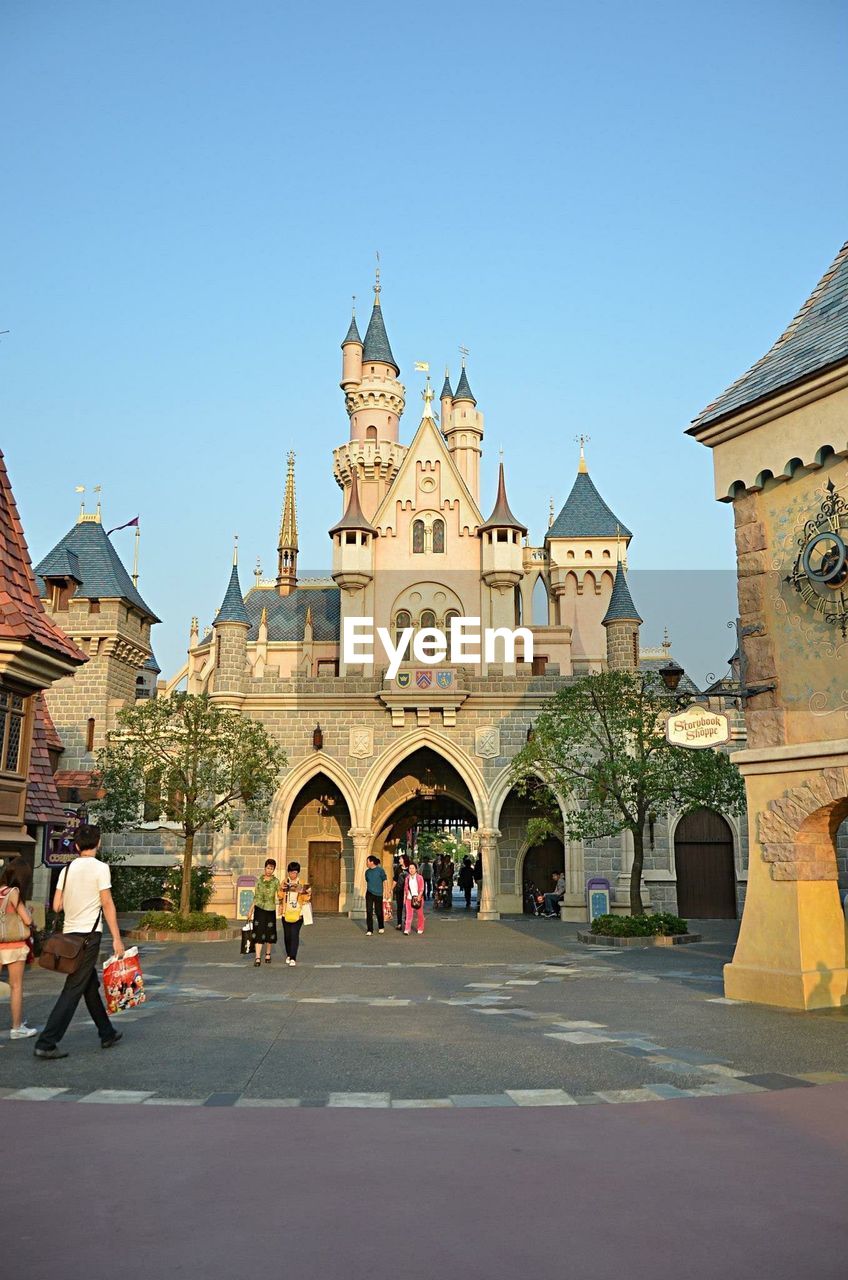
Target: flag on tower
422, 366
131, 524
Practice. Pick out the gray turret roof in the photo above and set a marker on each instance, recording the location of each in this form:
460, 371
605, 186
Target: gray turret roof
286, 615
86, 554
354, 517
376, 346
586, 515
816, 339
232, 606
446, 389
463, 388
352, 334
621, 606
502, 517
152, 665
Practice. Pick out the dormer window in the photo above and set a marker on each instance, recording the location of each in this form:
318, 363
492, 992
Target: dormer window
418, 537
439, 537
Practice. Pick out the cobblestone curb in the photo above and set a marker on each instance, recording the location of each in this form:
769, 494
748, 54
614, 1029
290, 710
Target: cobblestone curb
658, 940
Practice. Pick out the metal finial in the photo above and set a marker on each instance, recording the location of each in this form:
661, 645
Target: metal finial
377, 285
582, 440
666, 642
551, 513
257, 572
235, 548
353, 305
464, 354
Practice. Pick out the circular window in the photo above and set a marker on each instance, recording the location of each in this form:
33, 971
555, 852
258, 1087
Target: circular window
427, 484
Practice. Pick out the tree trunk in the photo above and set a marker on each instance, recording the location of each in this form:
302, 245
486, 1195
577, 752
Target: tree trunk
185, 887
636, 908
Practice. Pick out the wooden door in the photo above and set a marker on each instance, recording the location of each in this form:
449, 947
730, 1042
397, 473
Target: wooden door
703, 858
325, 865
541, 864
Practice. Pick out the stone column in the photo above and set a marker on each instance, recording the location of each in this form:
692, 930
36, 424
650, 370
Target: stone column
362, 838
491, 875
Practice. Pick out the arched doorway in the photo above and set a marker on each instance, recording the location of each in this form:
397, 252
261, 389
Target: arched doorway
542, 862
423, 804
703, 859
317, 837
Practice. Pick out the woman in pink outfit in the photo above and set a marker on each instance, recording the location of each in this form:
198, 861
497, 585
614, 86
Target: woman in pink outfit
413, 898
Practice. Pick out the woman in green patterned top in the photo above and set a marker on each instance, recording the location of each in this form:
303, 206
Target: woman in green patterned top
263, 912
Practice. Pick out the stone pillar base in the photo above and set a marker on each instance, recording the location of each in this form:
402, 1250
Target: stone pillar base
488, 914
806, 989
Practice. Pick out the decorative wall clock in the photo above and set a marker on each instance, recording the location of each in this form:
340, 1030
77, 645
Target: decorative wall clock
820, 571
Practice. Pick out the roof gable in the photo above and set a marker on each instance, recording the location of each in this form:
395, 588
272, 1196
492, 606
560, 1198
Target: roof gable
88, 551
427, 445
586, 515
816, 339
286, 615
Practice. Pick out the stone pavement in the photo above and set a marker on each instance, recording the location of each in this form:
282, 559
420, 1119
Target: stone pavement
499, 1064
507, 1014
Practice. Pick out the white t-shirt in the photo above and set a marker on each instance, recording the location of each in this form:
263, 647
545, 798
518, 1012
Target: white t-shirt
416, 886
80, 883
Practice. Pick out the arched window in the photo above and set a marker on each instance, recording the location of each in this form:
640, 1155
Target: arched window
451, 613
438, 536
370, 433
417, 537
403, 619
428, 619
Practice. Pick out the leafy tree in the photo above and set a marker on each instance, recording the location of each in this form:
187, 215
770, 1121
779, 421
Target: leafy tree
600, 746
207, 763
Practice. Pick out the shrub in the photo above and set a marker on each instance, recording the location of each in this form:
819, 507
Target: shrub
662, 923
195, 922
201, 886
133, 885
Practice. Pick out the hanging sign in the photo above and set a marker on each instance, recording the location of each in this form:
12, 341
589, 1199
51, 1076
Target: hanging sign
697, 727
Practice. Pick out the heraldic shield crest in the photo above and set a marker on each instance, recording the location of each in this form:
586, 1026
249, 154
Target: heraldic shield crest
403, 678
444, 679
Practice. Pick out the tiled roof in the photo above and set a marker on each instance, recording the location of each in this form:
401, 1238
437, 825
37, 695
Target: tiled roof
50, 731
816, 339
463, 388
354, 517
621, 607
42, 802
287, 614
22, 615
586, 515
352, 334
502, 517
232, 606
152, 665
81, 780
377, 340
101, 573
446, 388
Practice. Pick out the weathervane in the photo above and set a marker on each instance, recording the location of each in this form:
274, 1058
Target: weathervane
464, 354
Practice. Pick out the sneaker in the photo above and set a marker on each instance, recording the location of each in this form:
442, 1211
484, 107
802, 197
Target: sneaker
292, 963
368, 933
50, 1053
289, 960
406, 933
23, 1032
381, 931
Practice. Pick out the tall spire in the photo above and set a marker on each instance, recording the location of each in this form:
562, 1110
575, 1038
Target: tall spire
502, 517
352, 334
582, 440
232, 606
354, 517
463, 387
376, 346
447, 394
287, 545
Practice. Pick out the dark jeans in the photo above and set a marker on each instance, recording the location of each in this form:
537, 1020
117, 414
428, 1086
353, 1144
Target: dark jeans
373, 901
428, 888
291, 937
552, 901
84, 984
466, 889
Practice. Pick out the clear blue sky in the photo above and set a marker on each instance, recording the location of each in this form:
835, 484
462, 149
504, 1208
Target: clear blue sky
616, 207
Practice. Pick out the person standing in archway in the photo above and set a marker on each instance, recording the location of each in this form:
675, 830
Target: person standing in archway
375, 879
465, 880
294, 895
400, 882
413, 898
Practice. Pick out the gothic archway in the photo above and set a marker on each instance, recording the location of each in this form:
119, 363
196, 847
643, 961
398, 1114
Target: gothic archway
704, 867
317, 835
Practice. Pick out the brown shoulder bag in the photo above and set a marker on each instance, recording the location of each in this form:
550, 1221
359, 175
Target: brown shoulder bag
62, 954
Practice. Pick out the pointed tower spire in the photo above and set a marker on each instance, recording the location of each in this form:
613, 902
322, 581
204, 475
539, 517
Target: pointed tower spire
463, 388
353, 517
376, 347
287, 545
232, 606
502, 517
447, 394
621, 607
582, 440
352, 334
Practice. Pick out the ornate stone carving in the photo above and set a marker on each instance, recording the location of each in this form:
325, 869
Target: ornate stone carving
361, 742
795, 830
487, 742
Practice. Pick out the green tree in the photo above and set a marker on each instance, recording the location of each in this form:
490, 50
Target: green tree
599, 746
208, 764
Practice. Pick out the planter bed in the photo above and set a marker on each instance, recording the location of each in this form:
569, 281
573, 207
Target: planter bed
174, 935
655, 940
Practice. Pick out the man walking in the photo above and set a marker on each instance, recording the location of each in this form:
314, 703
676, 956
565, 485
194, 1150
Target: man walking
375, 879
84, 893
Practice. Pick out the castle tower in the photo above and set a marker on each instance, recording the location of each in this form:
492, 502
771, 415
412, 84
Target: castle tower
464, 432
88, 592
230, 630
353, 561
583, 546
622, 626
287, 546
502, 559
446, 402
375, 400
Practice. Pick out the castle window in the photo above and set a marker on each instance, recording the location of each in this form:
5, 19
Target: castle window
607, 555
94, 606
635, 650
438, 536
89, 734
451, 613
428, 619
588, 555
12, 715
569, 555
502, 535
350, 538
418, 537
402, 621
370, 433
152, 797
539, 664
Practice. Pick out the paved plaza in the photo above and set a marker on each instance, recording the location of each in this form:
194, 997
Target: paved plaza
552, 1096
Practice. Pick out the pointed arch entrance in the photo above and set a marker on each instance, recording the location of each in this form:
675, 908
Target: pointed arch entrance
704, 865
318, 828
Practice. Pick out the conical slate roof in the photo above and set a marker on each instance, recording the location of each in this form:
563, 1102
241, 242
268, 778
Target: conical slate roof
87, 554
621, 606
353, 517
502, 517
352, 334
586, 515
816, 339
463, 388
446, 389
232, 607
152, 665
376, 346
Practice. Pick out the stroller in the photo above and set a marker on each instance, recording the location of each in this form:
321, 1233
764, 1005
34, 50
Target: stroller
442, 900
534, 903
